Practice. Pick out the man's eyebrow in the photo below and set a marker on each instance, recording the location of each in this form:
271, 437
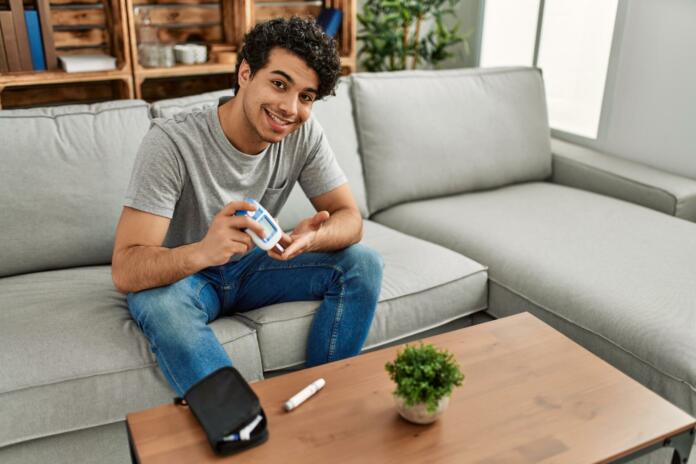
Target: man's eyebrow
292, 81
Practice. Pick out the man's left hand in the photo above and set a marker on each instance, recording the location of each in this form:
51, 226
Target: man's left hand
302, 238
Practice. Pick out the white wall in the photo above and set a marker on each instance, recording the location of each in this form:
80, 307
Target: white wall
649, 109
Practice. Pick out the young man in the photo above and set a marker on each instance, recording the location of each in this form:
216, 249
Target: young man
182, 256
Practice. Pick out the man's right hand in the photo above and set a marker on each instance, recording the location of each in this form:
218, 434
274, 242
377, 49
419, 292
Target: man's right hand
226, 236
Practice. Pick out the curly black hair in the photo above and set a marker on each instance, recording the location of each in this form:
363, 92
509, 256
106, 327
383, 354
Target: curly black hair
302, 37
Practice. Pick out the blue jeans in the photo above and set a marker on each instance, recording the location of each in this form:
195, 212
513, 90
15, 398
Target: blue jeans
175, 318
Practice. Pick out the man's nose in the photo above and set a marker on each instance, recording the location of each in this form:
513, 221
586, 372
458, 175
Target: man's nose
288, 105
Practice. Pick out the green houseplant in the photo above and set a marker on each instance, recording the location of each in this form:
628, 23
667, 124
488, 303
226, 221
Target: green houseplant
425, 377
403, 34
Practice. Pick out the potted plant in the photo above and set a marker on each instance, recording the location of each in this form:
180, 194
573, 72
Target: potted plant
406, 34
425, 377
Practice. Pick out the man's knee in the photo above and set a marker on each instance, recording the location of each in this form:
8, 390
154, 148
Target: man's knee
366, 263
160, 303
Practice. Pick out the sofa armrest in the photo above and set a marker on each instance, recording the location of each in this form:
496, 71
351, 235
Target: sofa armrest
591, 170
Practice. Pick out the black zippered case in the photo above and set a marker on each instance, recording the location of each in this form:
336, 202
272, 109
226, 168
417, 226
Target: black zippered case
224, 404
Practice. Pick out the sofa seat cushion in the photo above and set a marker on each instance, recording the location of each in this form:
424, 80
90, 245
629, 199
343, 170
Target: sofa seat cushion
423, 286
71, 357
619, 271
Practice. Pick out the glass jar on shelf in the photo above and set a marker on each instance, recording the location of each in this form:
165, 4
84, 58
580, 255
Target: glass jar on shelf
149, 48
166, 55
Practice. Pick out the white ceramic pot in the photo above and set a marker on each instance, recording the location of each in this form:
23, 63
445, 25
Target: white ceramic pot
419, 413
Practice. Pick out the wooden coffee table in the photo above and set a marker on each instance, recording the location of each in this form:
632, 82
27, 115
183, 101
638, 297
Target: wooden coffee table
530, 396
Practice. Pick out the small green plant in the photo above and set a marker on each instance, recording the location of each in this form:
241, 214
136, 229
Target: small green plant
404, 34
424, 374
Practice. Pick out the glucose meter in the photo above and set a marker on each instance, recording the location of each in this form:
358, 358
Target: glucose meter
270, 227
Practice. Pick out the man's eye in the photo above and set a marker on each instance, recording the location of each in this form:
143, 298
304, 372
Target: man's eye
307, 98
279, 84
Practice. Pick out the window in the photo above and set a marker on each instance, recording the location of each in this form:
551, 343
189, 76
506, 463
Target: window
574, 56
574, 43
509, 32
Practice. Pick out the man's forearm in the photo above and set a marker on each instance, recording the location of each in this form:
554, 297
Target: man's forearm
342, 229
141, 267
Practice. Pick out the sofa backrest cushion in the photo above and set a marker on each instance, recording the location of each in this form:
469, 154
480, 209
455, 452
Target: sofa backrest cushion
335, 115
427, 134
170, 107
63, 177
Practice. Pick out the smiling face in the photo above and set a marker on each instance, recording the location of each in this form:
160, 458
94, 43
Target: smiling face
278, 99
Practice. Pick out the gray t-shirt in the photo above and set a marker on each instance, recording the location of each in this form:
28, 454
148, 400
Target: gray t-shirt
187, 170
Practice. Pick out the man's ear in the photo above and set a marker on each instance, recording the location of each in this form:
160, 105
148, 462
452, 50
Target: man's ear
243, 74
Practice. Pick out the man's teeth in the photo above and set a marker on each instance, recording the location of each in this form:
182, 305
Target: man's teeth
276, 118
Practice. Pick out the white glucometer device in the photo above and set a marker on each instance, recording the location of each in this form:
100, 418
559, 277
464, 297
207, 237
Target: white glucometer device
270, 226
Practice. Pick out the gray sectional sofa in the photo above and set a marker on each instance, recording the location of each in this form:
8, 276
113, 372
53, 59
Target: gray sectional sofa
472, 205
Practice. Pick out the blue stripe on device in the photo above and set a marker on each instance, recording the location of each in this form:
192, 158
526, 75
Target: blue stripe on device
256, 214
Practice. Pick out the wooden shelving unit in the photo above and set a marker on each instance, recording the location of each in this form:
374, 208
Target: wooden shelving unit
86, 27
264, 10
209, 21
110, 26
185, 70
55, 87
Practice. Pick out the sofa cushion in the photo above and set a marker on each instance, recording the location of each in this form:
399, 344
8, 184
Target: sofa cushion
106, 444
63, 180
71, 357
620, 274
449, 132
171, 106
424, 286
